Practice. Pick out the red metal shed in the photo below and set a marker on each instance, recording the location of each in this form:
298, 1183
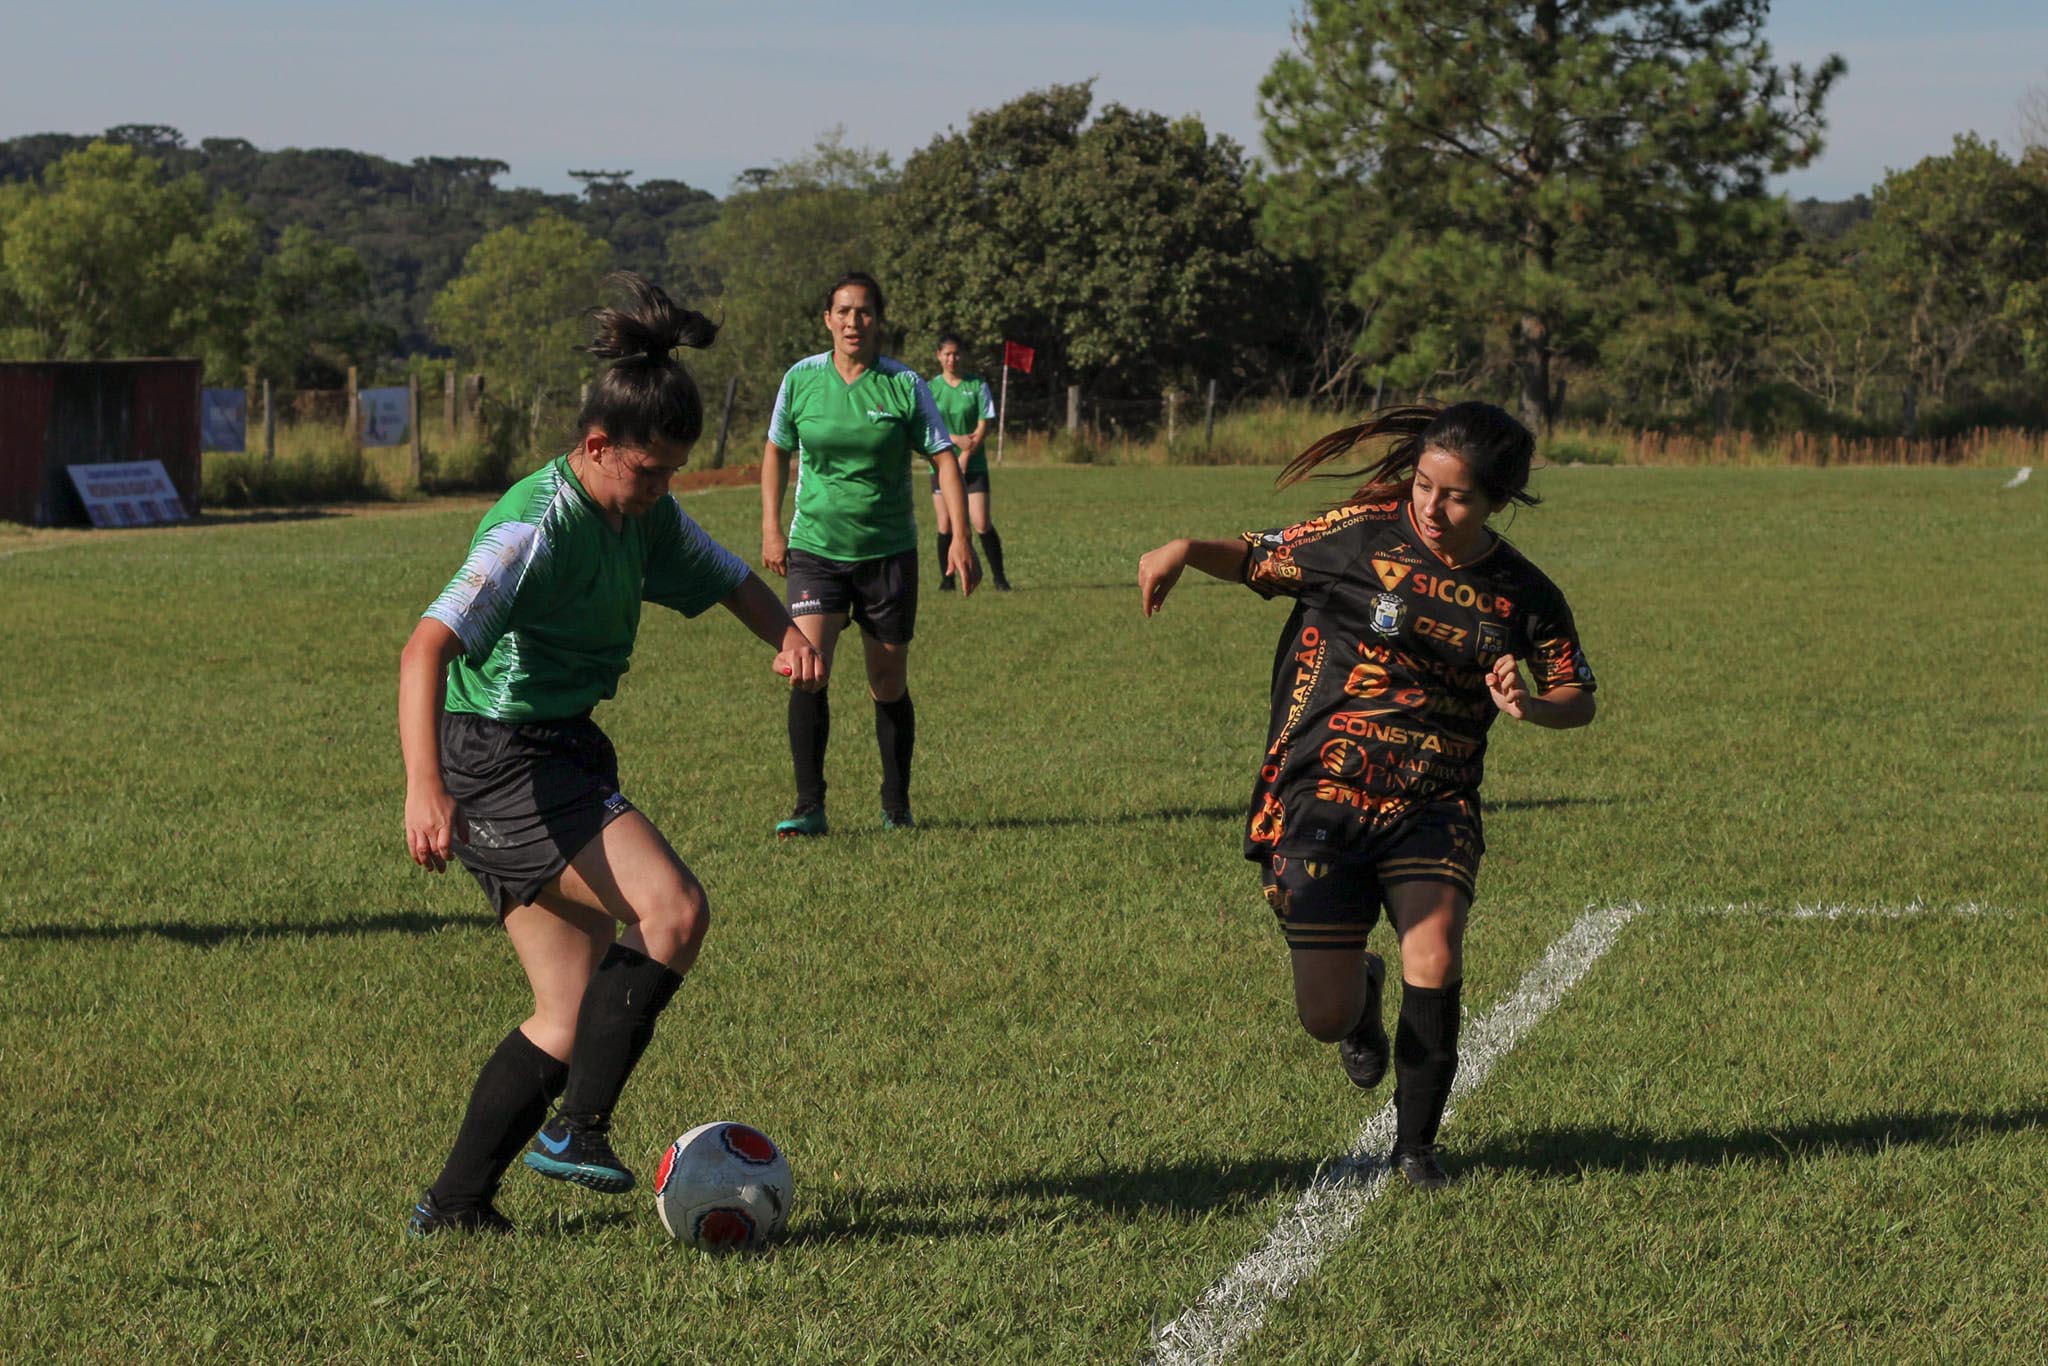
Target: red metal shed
92, 412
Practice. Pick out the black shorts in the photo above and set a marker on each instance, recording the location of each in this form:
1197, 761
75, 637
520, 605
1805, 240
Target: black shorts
881, 594
1334, 904
976, 483
530, 795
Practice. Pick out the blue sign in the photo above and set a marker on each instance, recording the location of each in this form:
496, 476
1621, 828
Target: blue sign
223, 419
384, 413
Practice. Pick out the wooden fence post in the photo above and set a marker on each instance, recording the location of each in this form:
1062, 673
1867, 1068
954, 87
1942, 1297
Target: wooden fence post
1209, 419
732, 387
1073, 407
412, 422
269, 425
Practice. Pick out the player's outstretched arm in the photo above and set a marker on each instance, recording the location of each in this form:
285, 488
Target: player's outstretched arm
762, 612
1159, 570
1564, 707
774, 479
431, 820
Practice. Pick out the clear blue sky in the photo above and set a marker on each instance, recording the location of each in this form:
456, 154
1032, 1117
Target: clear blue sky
699, 91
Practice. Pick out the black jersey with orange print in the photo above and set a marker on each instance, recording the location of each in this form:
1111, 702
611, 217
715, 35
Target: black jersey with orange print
1380, 705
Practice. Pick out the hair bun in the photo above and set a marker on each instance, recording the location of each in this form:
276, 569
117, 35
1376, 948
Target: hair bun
648, 326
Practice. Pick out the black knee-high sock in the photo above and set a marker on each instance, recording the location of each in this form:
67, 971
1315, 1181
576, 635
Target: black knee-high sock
810, 728
992, 551
896, 734
1425, 1061
945, 539
505, 1111
626, 994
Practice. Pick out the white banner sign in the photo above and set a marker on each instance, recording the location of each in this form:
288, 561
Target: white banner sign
135, 494
383, 416
223, 419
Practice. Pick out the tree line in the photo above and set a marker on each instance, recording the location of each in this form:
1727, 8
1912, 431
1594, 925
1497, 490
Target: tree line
1564, 207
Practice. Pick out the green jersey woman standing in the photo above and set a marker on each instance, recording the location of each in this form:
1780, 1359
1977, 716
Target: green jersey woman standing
967, 406
854, 419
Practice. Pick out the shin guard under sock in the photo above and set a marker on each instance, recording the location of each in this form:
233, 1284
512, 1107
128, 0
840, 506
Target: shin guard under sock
626, 994
1425, 1061
896, 735
506, 1109
810, 729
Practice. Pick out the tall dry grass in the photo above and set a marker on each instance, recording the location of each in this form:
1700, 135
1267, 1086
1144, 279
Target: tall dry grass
1270, 433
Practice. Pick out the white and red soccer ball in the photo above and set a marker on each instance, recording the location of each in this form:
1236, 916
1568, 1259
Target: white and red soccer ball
723, 1187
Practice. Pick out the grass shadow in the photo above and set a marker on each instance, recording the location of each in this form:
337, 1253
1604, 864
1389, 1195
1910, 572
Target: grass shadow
258, 516
1232, 812
1192, 1190
1579, 1150
1206, 1189
213, 936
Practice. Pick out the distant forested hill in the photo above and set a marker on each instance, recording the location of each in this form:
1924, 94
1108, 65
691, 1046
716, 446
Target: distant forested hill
411, 222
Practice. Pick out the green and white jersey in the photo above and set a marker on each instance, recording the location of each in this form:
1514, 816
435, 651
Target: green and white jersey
853, 444
548, 602
965, 406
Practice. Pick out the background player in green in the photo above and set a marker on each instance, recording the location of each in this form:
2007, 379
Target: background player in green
1410, 615
966, 404
506, 771
854, 418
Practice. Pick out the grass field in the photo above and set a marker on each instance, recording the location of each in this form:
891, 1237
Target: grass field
1035, 1063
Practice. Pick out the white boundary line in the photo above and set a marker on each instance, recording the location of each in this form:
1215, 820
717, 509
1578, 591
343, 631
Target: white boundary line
1233, 1308
1322, 1219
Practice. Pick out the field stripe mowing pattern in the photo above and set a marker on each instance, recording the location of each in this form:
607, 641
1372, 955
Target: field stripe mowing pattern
1322, 1219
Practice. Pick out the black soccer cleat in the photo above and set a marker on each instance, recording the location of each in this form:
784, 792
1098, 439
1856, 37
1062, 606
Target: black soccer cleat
1419, 1167
579, 1151
1364, 1051
428, 1218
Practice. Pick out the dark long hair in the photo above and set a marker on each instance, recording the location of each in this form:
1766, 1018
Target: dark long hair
1487, 439
645, 392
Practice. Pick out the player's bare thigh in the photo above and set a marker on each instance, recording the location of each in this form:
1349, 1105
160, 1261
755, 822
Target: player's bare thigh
630, 873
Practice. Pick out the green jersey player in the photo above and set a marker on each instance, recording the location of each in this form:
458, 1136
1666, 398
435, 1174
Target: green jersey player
854, 419
967, 406
506, 771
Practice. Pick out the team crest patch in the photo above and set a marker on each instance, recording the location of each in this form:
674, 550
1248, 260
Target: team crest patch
1387, 611
1493, 639
1391, 572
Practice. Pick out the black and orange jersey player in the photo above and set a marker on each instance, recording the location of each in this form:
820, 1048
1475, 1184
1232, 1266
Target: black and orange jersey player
1412, 622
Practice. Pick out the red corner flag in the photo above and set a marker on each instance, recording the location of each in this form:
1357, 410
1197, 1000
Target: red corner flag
1018, 357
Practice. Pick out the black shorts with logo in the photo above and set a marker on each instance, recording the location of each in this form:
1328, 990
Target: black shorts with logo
529, 796
881, 594
1323, 904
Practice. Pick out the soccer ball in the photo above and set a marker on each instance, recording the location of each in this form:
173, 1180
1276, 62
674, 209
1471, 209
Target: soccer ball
722, 1187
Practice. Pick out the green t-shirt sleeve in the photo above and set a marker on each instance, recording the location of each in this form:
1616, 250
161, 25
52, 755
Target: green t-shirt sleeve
988, 401
686, 569
928, 427
782, 418
482, 601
